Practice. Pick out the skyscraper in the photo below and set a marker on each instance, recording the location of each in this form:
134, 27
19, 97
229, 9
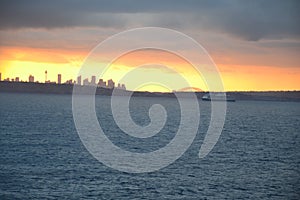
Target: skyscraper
101, 83
59, 78
86, 81
31, 79
79, 80
93, 81
110, 83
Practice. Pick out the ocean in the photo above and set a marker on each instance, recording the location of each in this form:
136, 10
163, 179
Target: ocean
42, 157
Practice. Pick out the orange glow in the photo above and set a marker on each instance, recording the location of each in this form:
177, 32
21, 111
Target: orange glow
259, 78
163, 71
21, 62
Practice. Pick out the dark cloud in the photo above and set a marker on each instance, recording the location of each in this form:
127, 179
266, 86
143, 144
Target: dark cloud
253, 20
249, 20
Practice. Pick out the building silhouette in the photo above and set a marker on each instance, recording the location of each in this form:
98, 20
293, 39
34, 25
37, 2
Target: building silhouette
70, 81
59, 78
52, 82
121, 86
31, 79
102, 83
110, 83
79, 80
86, 81
93, 80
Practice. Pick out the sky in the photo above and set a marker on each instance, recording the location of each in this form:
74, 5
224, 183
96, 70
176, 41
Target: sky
254, 44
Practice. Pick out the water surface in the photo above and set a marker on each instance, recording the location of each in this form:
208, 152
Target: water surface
42, 157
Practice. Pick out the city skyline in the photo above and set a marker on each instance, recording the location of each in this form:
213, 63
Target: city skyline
139, 99
101, 82
252, 51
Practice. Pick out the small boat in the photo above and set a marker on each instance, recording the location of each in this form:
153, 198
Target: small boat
217, 97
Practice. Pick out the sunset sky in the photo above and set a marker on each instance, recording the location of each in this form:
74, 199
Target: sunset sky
255, 44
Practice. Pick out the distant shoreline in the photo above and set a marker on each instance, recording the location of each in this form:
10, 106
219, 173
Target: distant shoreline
51, 88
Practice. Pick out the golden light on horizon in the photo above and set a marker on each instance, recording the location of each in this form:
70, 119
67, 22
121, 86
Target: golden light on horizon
22, 62
161, 70
23, 69
259, 78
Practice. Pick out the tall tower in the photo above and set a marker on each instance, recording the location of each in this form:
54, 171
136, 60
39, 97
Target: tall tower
79, 80
45, 76
93, 81
59, 79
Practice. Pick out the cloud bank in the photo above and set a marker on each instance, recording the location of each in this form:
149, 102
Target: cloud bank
247, 20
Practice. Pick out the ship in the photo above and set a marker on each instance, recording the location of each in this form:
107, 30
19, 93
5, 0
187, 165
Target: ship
217, 97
